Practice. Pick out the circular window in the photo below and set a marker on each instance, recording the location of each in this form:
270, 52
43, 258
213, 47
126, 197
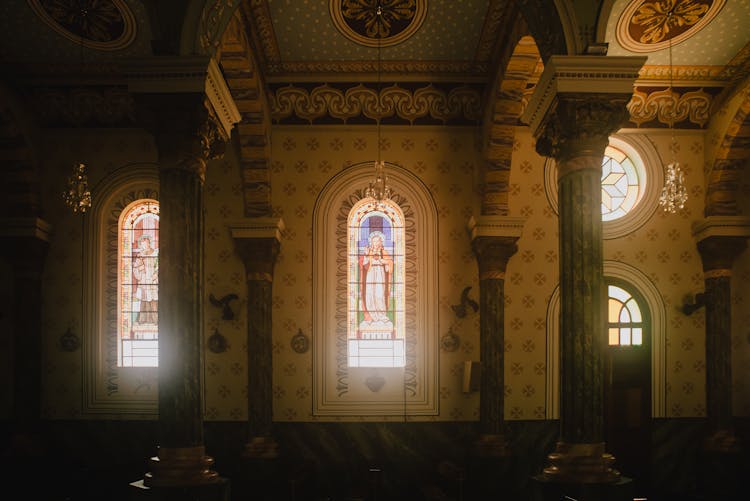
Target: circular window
631, 177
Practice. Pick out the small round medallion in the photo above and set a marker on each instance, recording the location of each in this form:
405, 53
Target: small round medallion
377, 23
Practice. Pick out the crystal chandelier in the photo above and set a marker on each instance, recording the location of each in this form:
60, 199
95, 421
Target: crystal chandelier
379, 189
673, 194
77, 195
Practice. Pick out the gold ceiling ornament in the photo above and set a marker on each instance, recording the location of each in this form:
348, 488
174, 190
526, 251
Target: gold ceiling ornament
98, 24
674, 193
77, 195
378, 188
651, 25
378, 22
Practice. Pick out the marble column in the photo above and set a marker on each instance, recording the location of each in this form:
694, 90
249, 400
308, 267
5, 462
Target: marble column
579, 102
187, 106
257, 241
493, 240
720, 241
25, 242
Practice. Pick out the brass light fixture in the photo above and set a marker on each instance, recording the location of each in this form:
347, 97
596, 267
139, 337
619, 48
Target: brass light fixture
379, 189
673, 194
77, 195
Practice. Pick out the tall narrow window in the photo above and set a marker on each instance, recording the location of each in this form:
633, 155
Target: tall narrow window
625, 323
375, 269
138, 285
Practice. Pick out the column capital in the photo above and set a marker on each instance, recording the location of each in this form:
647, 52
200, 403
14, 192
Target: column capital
720, 240
579, 101
186, 75
493, 240
25, 241
258, 241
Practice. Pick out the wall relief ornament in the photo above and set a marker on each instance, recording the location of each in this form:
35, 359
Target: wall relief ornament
459, 105
668, 107
378, 23
96, 24
650, 25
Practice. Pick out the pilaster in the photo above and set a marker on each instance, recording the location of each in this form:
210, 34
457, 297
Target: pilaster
493, 240
257, 242
720, 240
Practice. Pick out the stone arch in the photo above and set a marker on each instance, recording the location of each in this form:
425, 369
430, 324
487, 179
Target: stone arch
511, 93
732, 154
253, 131
545, 25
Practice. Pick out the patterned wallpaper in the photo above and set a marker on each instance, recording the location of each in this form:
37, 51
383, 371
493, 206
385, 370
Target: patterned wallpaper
447, 160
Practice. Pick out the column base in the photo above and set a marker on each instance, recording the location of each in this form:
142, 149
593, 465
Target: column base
180, 466
491, 445
581, 464
722, 441
261, 448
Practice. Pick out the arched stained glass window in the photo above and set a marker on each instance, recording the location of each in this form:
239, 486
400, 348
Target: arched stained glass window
625, 322
138, 285
375, 270
620, 184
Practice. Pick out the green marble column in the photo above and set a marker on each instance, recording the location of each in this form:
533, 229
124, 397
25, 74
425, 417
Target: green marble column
257, 242
187, 136
718, 253
579, 102
493, 253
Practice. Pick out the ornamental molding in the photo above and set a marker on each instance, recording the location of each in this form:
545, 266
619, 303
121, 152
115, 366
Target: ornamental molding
668, 107
23, 227
458, 105
257, 227
495, 226
721, 226
84, 106
580, 75
409, 70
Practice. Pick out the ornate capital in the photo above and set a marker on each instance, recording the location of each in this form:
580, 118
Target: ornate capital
493, 240
578, 101
258, 241
720, 240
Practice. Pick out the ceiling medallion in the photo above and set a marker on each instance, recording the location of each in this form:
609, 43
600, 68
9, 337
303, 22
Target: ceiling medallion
650, 25
96, 24
360, 22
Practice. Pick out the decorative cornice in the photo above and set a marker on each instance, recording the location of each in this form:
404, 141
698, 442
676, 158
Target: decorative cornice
495, 226
459, 105
721, 226
185, 74
278, 71
664, 107
257, 227
580, 75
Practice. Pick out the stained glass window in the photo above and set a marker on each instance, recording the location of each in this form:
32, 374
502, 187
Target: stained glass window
625, 323
620, 184
375, 271
138, 285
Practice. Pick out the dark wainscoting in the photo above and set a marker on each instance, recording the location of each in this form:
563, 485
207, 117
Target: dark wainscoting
96, 460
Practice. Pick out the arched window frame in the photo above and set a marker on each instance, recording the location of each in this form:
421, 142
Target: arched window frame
109, 389
647, 163
636, 280
376, 342
339, 390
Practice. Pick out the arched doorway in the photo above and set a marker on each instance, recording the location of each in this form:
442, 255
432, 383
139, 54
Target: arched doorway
627, 388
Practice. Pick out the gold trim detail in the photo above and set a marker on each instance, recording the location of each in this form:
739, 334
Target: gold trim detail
660, 28
669, 106
458, 103
359, 21
259, 276
492, 275
721, 273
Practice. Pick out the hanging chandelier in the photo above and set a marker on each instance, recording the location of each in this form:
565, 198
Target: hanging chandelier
77, 195
673, 194
379, 189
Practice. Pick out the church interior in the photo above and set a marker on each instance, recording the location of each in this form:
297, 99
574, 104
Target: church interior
349, 250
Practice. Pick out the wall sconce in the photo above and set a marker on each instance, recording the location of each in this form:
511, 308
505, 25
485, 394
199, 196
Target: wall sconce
69, 341
461, 309
217, 343
223, 303
688, 307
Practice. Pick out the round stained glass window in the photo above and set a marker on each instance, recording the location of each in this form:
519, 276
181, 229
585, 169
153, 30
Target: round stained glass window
620, 184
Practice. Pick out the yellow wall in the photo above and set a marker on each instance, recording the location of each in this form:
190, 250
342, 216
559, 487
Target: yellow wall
447, 160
